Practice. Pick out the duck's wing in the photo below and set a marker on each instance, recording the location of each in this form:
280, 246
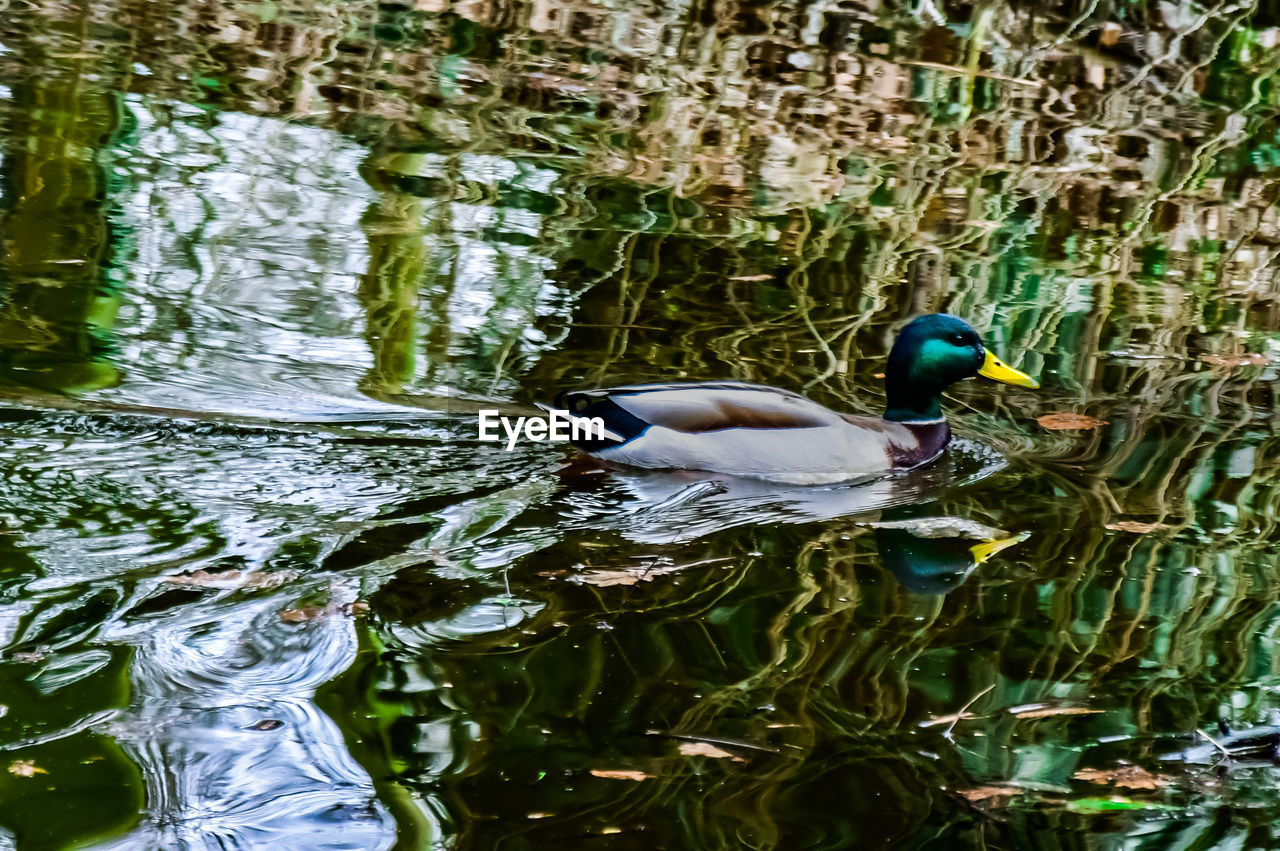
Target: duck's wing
696, 408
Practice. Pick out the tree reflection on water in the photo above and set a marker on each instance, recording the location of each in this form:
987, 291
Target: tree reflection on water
260, 585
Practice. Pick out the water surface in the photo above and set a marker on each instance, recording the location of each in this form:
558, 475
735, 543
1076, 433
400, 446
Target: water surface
262, 587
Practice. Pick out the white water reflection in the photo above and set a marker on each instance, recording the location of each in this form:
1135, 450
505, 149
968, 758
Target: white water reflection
221, 595
233, 750
248, 243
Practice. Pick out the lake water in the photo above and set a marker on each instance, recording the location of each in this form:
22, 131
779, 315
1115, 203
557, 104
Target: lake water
261, 586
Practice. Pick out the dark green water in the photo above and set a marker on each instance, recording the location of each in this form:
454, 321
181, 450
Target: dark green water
262, 587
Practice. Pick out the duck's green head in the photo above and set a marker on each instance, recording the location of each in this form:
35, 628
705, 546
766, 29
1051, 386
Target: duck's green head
932, 353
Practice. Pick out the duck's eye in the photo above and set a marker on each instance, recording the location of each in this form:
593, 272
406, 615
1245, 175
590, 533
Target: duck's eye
959, 339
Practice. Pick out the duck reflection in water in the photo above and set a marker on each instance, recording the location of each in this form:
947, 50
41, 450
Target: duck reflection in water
926, 554
934, 555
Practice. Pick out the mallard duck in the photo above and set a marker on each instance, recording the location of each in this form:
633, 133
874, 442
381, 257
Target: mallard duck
766, 433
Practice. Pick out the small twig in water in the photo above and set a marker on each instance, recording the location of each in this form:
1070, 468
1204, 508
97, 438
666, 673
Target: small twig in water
947, 733
1217, 744
730, 743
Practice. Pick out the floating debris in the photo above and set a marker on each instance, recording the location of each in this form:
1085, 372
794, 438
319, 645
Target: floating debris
1044, 710
706, 749
989, 796
1106, 805
266, 725
1125, 776
1137, 527
25, 768
230, 579
1069, 422
1254, 744
1246, 359
610, 774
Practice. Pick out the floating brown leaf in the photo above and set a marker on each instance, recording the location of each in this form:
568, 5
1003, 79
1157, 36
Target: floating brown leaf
1136, 526
995, 795
230, 579
1069, 422
306, 614
705, 749
1125, 776
25, 768
1246, 359
29, 657
606, 578
752, 278
267, 724
626, 576
609, 774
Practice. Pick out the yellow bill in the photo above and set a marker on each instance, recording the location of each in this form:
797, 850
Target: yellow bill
985, 550
998, 370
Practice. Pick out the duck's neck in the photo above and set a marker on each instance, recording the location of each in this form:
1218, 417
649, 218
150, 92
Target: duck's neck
912, 401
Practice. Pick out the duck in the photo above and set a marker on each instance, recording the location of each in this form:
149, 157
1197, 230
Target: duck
761, 432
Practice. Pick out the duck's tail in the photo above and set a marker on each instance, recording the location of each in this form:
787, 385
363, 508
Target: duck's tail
590, 432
